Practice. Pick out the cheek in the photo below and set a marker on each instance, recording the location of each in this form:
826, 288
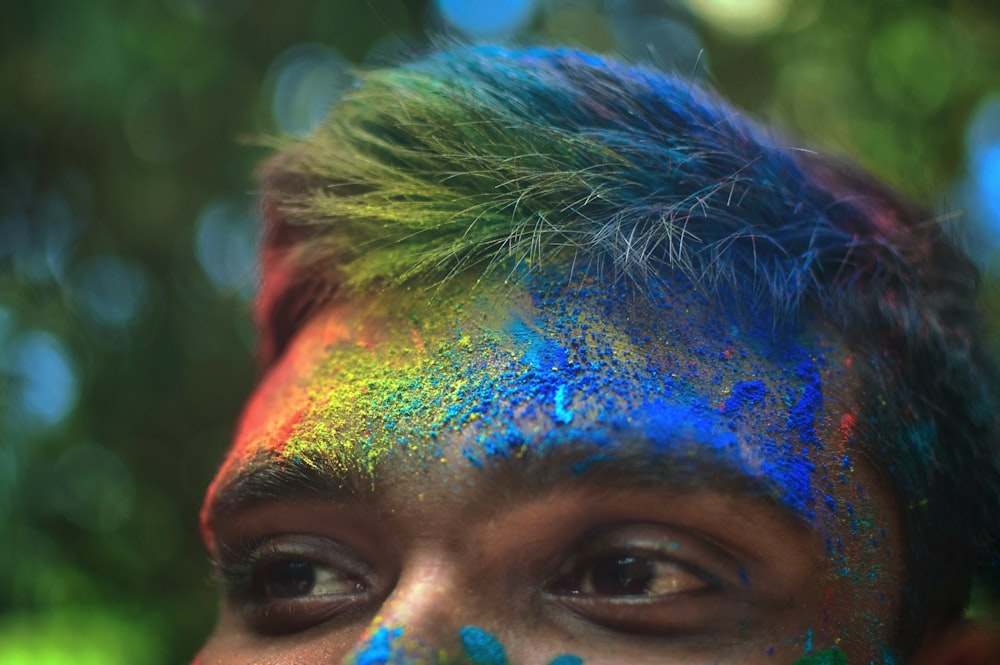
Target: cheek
230, 644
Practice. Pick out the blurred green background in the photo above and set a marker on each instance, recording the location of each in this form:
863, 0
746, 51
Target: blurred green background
127, 234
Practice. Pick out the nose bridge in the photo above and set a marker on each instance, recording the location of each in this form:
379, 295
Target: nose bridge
427, 620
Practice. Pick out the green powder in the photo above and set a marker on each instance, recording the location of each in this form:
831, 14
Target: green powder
827, 657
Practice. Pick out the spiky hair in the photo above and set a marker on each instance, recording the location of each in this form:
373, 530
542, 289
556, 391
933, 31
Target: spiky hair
484, 158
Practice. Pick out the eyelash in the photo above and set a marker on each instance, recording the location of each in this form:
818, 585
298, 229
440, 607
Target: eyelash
647, 549
243, 563
643, 613
630, 556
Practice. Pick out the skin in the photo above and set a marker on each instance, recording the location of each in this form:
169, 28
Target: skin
684, 448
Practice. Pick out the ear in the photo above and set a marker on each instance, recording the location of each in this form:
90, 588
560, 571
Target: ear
964, 642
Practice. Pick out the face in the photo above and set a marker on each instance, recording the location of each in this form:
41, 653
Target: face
553, 475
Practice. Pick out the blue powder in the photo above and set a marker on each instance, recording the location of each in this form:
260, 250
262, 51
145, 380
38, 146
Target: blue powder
681, 422
566, 659
827, 657
802, 418
744, 394
583, 466
920, 439
744, 577
470, 455
563, 415
540, 352
481, 647
792, 475
379, 649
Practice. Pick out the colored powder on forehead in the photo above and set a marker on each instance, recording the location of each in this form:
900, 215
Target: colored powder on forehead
506, 376
745, 395
782, 462
403, 394
689, 420
802, 418
427, 378
481, 647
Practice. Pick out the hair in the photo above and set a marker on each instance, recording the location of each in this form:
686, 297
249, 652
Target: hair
482, 157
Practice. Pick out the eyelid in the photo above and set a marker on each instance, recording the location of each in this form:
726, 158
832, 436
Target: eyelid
240, 561
686, 611
702, 567
689, 551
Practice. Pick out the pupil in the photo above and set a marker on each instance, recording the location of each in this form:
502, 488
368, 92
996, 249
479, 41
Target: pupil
622, 576
289, 579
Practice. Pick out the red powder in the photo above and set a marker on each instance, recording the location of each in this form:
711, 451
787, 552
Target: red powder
845, 431
829, 596
278, 437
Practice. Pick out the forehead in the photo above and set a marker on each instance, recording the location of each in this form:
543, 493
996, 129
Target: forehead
470, 380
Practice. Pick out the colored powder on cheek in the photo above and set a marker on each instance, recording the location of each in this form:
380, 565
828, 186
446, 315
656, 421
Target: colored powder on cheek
827, 657
566, 659
481, 647
379, 650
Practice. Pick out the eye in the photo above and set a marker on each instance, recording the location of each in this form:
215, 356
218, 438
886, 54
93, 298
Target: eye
636, 575
642, 578
298, 578
288, 583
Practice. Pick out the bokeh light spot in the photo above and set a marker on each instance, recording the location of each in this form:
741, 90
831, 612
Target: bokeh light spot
987, 175
38, 238
982, 139
487, 18
225, 243
741, 17
306, 80
111, 291
87, 635
44, 388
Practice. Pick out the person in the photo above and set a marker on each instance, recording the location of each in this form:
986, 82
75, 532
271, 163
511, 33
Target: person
565, 361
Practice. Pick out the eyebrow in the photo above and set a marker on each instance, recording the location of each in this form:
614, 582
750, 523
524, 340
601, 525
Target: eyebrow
681, 466
266, 479
684, 466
